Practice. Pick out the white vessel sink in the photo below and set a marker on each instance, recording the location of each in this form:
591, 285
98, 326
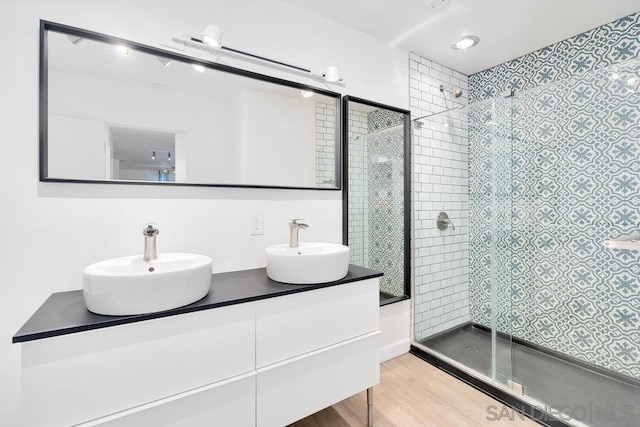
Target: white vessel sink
130, 285
307, 264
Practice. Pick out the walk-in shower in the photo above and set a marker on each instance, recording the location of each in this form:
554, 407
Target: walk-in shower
553, 313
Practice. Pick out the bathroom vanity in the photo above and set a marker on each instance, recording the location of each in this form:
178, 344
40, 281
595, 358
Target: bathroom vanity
252, 352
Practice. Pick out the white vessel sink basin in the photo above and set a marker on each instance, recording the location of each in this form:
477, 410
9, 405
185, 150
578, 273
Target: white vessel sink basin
307, 264
130, 285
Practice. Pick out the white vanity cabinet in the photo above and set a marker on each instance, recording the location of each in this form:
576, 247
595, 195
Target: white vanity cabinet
314, 349
268, 362
83, 377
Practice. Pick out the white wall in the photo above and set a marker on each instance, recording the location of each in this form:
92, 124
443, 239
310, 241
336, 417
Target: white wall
279, 139
76, 138
49, 231
395, 338
197, 118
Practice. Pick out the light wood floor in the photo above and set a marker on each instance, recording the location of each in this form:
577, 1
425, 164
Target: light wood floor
413, 393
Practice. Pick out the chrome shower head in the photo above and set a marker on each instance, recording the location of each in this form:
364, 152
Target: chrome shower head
457, 93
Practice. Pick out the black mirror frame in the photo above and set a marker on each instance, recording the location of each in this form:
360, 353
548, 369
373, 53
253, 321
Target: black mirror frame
407, 186
46, 26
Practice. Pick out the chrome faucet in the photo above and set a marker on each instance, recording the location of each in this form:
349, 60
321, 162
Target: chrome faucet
150, 234
294, 228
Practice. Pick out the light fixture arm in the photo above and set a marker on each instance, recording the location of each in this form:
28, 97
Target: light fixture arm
187, 40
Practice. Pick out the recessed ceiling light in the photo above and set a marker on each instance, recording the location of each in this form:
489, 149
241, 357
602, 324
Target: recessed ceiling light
465, 42
199, 68
306, 93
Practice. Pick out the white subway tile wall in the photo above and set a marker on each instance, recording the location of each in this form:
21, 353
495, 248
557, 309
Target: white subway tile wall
325, 144
440, 183
358, 191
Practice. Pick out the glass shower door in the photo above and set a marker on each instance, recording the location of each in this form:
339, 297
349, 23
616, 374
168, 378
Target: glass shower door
491, 202
577, 186
482, 341
554, 287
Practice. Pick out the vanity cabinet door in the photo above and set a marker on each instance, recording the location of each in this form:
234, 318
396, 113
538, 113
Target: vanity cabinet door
229, 403
301, 386
74, 378
292, 325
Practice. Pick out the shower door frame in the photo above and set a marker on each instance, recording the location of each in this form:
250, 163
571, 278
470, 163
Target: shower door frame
407, 185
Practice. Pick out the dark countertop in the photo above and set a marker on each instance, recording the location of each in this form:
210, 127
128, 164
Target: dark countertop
66, 313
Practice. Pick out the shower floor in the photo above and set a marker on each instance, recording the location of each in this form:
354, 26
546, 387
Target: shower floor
593, 398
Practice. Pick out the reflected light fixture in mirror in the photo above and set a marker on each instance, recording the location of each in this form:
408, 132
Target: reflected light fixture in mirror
164, 61
122, 50
198, 67
74, 39
306, 93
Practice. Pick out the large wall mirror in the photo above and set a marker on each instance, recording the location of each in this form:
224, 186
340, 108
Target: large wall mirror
120, 112
377, 193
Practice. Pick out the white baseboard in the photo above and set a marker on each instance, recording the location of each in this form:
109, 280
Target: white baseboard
394, 349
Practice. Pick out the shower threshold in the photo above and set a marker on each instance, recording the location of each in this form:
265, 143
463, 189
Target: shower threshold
589, 394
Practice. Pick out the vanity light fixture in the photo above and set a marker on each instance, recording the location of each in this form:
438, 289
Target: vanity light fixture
212, 37
306, 93
332, 74
153, 156
210, 40
465, 42
122, 50
198, 67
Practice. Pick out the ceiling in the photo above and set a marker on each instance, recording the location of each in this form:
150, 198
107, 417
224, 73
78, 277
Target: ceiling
507, 28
